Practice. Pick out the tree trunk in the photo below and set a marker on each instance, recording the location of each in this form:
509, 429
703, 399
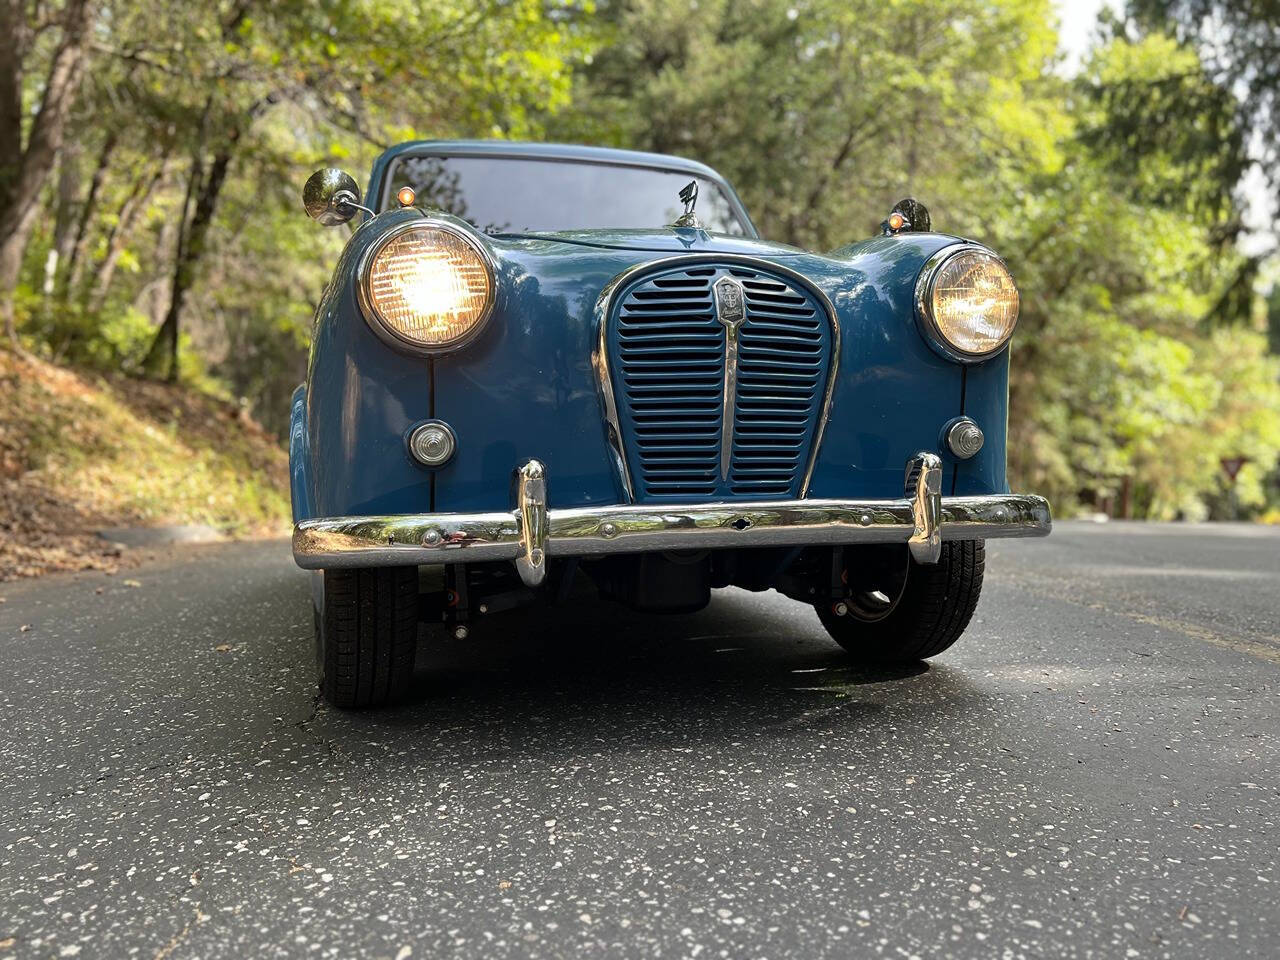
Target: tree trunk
66, 191
119, 235
191, 238
79, 253
162, 350
162, 357
13, 244
23, 170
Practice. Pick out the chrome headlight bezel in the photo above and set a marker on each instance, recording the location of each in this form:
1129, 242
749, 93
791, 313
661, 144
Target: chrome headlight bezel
394, 338
929, 328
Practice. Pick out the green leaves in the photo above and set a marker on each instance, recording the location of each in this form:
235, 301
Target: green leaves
218, 112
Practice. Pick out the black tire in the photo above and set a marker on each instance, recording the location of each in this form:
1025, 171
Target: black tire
930, 612
366, 635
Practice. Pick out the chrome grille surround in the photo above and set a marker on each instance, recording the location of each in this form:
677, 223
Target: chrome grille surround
781, 386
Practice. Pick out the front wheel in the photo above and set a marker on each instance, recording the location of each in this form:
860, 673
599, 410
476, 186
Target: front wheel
900, 610
366, 634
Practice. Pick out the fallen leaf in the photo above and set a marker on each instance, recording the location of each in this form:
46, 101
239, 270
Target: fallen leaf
25, 627
223, 647
504, 885
133, 583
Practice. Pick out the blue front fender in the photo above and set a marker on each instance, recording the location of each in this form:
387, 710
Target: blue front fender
299, 457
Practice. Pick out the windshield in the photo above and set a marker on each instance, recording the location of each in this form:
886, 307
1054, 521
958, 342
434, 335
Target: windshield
519, 195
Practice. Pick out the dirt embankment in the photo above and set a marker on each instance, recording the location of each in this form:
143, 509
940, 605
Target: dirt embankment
80, 452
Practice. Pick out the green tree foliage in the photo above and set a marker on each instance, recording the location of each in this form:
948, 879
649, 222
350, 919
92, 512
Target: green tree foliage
171, 240
43, 49
1240, 42
1273, 320
197, 124
824, 113
1118, 389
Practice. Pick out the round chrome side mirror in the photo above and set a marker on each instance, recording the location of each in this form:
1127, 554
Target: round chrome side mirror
331, 196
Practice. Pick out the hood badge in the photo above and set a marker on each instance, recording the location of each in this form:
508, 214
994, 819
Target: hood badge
731, 303
731, 311
689, 197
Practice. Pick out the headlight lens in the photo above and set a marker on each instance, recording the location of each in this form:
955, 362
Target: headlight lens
970, 302
429, 286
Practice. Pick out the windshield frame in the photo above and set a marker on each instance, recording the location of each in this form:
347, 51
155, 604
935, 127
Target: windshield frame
380, 182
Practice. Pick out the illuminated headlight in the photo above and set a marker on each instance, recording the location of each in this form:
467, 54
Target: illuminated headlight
427, 287
968, 302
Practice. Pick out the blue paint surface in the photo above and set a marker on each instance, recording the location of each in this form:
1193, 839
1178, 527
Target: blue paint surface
986, 401
299, 456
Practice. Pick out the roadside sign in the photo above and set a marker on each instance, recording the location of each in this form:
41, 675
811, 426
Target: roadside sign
1231, 466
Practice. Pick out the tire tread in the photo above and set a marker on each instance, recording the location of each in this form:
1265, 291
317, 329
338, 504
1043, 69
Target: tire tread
370, 622
936, 607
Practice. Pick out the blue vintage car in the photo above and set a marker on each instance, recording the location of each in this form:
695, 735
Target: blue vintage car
537, 363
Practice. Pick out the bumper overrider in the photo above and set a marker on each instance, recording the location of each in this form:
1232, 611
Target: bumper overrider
530, 533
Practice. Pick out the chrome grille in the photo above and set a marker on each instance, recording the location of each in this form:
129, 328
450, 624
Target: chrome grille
667, 355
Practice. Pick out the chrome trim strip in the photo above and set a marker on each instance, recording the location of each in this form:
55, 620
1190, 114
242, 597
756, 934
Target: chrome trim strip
925, 542
731, 311
729, 398
600, 356
612, 425
597, 531
824, 416
531, 500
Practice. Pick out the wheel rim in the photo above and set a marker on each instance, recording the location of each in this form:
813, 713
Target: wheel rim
879, 589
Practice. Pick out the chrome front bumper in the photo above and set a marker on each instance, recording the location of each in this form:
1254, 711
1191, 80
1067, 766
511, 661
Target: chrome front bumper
530, 533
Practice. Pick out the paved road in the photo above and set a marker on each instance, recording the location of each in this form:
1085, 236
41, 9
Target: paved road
1092, 772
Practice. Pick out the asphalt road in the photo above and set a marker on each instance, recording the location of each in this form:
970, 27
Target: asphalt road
1091, 772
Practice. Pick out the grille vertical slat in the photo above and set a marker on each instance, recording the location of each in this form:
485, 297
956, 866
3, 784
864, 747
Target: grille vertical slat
669, 351
671, 370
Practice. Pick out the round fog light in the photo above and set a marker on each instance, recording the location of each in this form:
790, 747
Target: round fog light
964, 438
432, 444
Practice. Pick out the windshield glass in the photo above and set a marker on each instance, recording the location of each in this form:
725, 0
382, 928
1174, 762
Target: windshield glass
519, 195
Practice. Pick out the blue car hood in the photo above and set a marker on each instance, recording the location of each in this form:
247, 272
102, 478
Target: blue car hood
664, 240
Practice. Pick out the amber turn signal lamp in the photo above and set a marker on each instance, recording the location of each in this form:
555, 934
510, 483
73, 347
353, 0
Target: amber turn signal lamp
897, 221
406, 196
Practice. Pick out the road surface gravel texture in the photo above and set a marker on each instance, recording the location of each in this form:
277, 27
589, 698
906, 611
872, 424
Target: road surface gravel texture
1091, 772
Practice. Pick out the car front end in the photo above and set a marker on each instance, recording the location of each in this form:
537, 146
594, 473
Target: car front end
667, 409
